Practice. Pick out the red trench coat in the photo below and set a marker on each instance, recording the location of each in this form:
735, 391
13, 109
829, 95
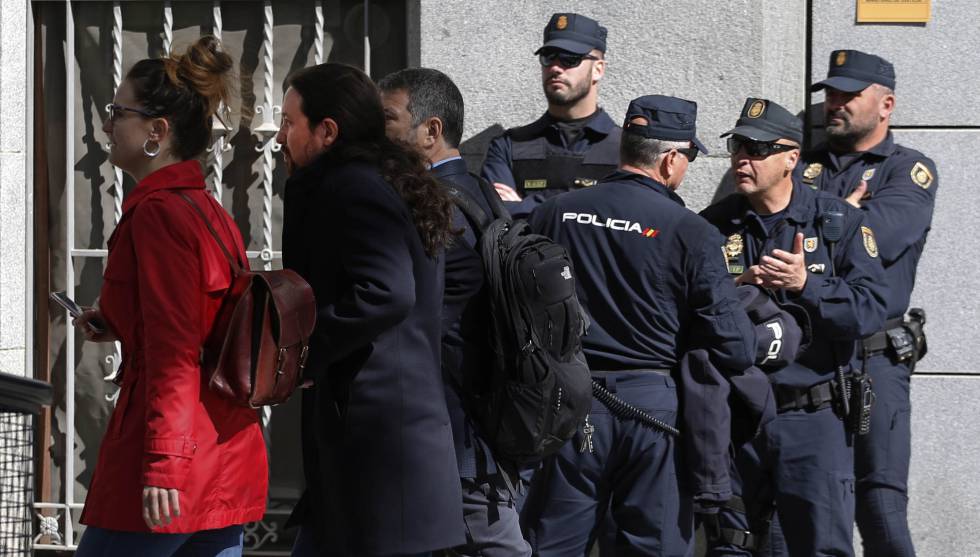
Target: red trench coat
164, 279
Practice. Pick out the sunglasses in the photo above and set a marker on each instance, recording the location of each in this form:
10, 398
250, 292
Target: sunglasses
566, 60
756, 148
690, 152
115, 112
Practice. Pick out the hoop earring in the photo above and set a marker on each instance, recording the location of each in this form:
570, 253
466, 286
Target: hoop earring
149, 153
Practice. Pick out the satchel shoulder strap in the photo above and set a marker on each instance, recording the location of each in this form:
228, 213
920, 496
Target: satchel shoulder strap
236, 266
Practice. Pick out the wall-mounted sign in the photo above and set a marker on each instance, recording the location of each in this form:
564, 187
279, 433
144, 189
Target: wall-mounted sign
893, 11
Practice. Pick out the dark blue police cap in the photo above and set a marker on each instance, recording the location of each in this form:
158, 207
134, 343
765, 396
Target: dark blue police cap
782, 331
668, 118
852, 70
574, 33
764, 120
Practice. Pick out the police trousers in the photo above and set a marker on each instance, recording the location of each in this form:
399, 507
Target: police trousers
798, 473
881, 463
630, 473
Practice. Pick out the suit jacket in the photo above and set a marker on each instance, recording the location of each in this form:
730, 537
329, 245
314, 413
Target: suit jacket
377, 446
465, 350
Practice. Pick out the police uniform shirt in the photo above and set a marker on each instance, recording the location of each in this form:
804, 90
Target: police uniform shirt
650, 275
898, 205
538, 160
844, 295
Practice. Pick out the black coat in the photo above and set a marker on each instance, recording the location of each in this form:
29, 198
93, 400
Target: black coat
377, 446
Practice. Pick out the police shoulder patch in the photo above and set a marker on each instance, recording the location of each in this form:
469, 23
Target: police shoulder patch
921, 176
870, 245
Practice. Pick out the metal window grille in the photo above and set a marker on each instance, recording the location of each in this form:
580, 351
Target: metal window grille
20, 402
84, 50
16, 482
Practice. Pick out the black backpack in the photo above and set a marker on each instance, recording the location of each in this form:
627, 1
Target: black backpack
539, 388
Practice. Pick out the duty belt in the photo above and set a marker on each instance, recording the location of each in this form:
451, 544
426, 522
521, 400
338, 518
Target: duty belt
878, 342
811, 399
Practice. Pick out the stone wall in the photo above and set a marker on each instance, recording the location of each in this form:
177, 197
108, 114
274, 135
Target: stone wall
14, 189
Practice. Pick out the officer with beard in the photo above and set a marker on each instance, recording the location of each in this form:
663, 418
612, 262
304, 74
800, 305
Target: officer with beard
895, 188
575, 143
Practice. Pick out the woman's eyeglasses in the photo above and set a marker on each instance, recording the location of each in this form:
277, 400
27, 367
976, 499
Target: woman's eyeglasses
566, 60
756, 148
115, 111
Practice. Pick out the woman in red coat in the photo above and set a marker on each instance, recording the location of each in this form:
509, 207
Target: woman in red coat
180, 469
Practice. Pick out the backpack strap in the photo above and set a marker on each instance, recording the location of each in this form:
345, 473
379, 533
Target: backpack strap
470, 208
236, 266
492, 197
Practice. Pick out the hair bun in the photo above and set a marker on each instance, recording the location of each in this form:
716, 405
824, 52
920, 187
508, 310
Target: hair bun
205, 68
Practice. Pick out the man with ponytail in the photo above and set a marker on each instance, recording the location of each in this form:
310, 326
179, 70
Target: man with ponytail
180, 469
366, 226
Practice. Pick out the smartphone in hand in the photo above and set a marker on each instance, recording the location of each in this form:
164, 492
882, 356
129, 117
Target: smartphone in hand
75, 310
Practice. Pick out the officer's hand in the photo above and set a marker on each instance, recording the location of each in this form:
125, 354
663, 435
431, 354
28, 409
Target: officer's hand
858, 194
506, 192
159, 504
750, 276
783, 269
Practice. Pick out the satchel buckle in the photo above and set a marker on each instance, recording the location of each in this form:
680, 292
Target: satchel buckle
280, 361
302, 357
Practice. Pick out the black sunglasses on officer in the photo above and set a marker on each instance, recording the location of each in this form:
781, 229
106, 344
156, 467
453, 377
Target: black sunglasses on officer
753, 148
567, 60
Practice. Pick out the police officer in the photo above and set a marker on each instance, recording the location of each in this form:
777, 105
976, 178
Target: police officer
895, 187
424, 109
654, 283
575, 142
816, 251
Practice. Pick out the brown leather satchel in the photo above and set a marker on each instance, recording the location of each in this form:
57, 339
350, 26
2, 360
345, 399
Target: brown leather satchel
259, 343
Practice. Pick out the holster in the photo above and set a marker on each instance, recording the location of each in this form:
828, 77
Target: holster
904, 339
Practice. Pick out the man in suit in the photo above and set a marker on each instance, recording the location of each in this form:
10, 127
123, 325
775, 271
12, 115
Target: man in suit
424, 109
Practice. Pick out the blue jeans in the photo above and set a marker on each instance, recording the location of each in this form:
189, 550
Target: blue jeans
305, 545
99, 542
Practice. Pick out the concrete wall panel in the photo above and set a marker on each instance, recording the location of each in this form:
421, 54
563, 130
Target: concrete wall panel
951, 260
944, 487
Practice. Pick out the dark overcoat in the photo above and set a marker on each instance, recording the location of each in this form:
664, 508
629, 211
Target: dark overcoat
377, 445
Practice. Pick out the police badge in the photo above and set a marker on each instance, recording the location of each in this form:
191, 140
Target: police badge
810, 244
734, 246
811, 172
733, 250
